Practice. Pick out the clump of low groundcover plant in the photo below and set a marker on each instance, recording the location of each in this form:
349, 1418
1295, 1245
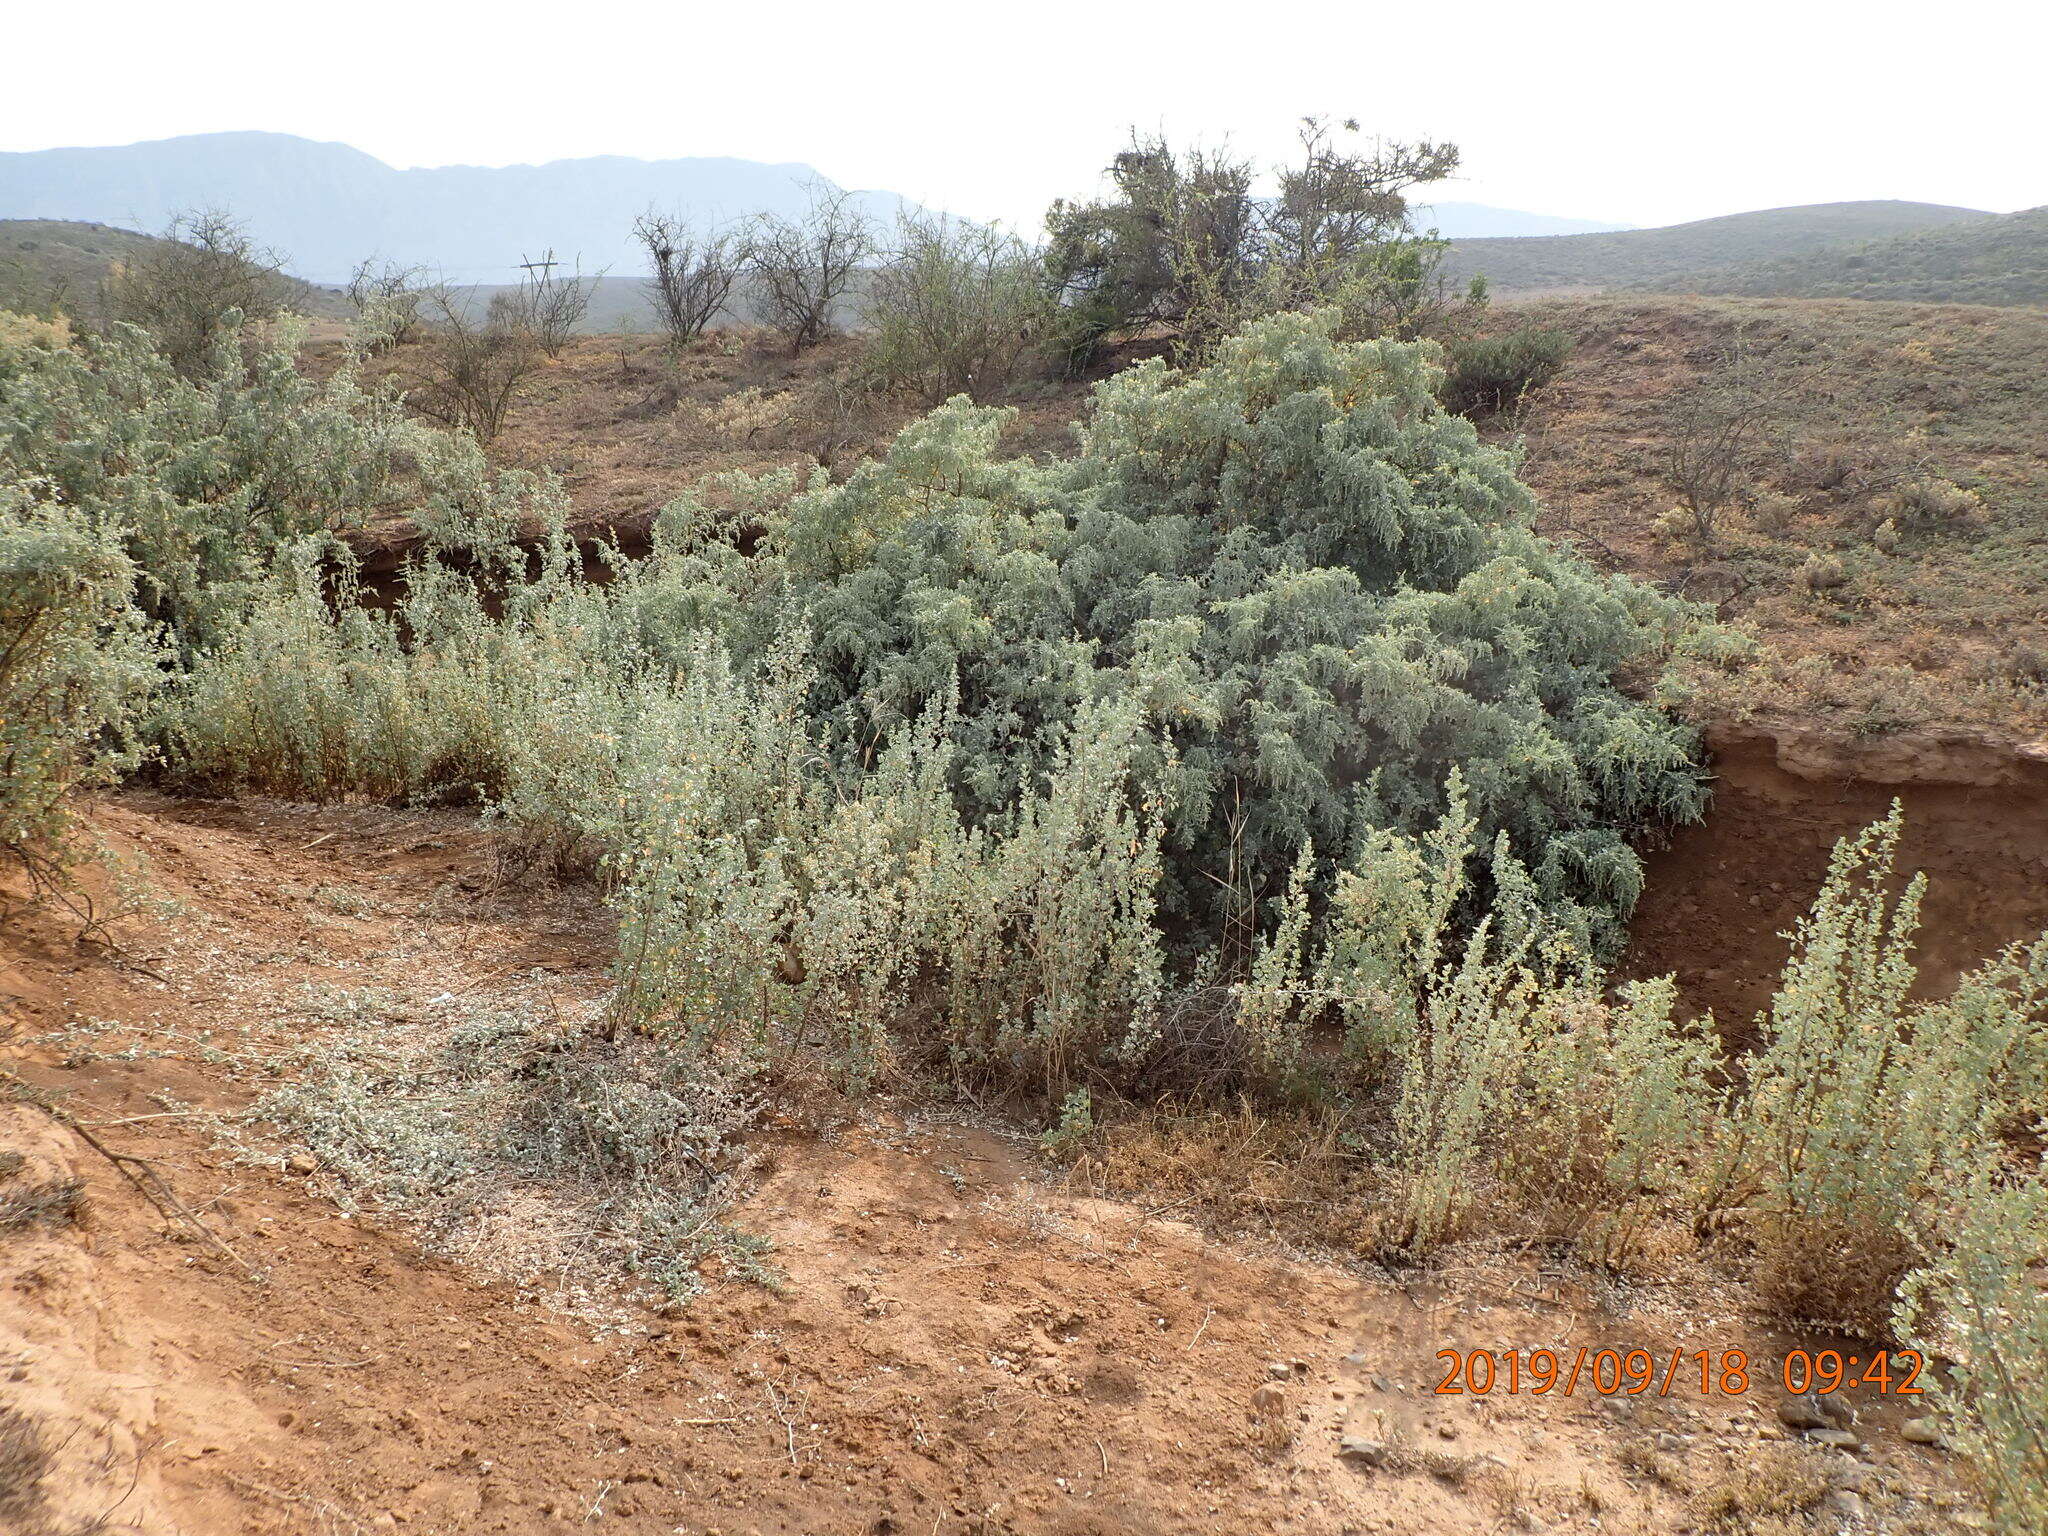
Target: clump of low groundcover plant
621, 1159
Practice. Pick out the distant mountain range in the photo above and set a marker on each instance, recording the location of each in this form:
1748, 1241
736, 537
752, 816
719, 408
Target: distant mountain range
1636, 257
324, 207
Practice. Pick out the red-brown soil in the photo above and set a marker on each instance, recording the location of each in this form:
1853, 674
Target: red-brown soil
1721, 897
960, 1345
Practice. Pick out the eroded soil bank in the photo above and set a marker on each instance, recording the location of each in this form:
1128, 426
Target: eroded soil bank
1722, 895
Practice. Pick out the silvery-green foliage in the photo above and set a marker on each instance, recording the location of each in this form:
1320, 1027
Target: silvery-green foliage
773, 898
1507, 1080
1270, 1010
303, 696
717, 793
1389, 918
204, 482
1864, 1104
75, 662
1077, 876
1298, 566
1982, 1309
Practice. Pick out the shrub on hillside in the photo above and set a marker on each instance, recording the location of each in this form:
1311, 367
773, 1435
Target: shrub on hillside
803, 268
1185, 245
545, 308
1486, 375
958, 310
1926, 503
193, 288
203, 483
691, 272
1400, 289
1981, 1306
1839, 1161
1257, 623
472, 369
75, 665
1320, 589
388, 297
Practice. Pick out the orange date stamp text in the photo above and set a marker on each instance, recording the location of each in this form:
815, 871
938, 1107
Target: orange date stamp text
1571, 1372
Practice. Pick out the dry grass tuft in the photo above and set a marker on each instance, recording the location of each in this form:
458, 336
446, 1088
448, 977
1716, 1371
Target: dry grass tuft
1845, 1277
1278, 1174
54, 1202
24, 1463
1776, 1485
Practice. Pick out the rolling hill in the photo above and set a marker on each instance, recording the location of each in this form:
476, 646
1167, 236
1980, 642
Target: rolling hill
1636, 257
60, 263
2001, 260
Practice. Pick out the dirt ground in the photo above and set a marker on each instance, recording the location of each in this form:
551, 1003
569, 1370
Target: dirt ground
958, 1343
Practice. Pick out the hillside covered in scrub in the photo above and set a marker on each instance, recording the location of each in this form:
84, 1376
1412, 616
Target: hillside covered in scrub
2001, 260
1643, 257
61, 264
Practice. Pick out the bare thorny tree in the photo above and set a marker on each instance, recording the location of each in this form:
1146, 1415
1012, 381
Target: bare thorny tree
547, 307
804, 267
388, 295
1719, 428
184, 286
471, 369
692, 272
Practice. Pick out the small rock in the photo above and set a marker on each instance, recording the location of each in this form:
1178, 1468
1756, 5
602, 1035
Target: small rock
1842, 1439
1447, 1431
1523, 1520
1846, 1504
1268, 1401
1278, 1370
1381, 1384
1666, 1441
1366, 1453
1802, 1412
300, 1162
1921, 1432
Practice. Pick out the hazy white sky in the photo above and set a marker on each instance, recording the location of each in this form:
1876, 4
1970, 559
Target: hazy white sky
1642, 113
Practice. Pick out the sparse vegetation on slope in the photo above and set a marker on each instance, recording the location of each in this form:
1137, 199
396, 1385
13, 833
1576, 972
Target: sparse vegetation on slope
1876, 524
59, 266
1262, 751
1631, 258
2000, 260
